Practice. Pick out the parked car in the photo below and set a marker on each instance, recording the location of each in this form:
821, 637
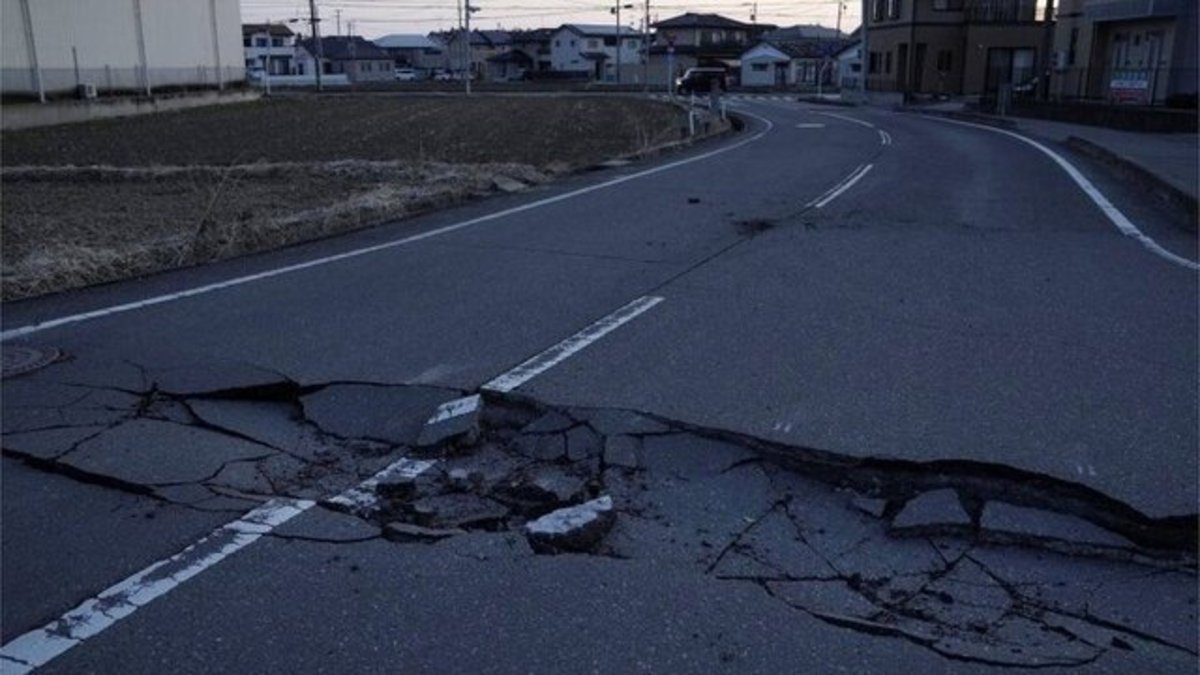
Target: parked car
699, 80
406, 75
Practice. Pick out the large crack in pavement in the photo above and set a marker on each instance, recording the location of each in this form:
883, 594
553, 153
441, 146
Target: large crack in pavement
973, 561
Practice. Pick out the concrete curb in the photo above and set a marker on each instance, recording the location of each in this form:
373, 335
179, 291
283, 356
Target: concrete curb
1174, 198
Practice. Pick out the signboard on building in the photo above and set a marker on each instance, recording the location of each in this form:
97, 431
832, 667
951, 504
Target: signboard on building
1130, 86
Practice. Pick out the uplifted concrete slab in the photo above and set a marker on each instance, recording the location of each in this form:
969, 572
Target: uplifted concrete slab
271, 422
213, 376
150, 452
385, 413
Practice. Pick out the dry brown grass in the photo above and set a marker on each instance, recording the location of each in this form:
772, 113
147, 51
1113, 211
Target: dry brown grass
89, 203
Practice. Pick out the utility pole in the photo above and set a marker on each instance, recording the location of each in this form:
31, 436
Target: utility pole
34, 68
617, 11
865, 53
841, 5
316, 33
646, 49
470, 50
141, 43
212, 14
1044, 56
338, 12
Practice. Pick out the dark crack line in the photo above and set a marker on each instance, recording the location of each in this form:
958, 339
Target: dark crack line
744, 531
1119, 628
322, 540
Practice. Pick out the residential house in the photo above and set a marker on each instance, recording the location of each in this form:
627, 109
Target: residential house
1126, 51
799, 56
356, 58
791, 64
849, 60
594, 50
419, 52
691, 39
270, 48
52, 46
969, 47
471, 53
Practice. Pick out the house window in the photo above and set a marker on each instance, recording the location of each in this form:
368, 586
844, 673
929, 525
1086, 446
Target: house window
758, 67
877, 10
610, 42
260, 42
887, 63
873, 67
1071, 49
592, 44
945, 60
572, 43
558, 43
893, 9
276, 42
246, 41
947, 5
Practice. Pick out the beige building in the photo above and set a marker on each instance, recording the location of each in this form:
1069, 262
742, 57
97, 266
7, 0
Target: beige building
53, 46
966, 47
1133, 51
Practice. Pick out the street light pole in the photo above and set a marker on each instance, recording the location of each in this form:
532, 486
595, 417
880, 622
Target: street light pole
316, 34
470, 50
617, 10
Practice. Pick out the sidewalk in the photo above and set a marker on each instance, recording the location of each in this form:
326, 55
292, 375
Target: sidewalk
1167, 165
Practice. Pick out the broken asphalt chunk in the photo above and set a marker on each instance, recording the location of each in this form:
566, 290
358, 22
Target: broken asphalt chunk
458, 510
583, 443
546, 448
393, 414
452, 420
1001, 517
216, 376
931, 509
576, 528
408, 532
549, 423
621, 451
609, 422
869, 505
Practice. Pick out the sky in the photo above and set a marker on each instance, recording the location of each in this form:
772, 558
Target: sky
375, 18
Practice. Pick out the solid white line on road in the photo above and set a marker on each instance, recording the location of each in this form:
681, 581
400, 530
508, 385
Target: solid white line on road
201, 290
843, 185
810, 125
570, 346
847, 119
884, 137
459, 406
1114, 214
37, 647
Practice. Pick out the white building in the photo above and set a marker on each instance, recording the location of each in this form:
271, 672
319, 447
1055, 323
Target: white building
850, 65
593, 49
269, 47
53, 46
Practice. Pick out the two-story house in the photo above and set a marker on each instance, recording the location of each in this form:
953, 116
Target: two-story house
270, 48
592, 50
692, 39
969, 47
471, 53
419, 52
1126, 51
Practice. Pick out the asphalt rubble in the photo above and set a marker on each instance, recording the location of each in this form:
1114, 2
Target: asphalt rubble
975, 562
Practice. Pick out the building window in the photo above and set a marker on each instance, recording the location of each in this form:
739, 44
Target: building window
246, 41
873, 66
592, 44
758, 67
893, 9
877, 10
945, 60
1071, 47
558, 43
260, 42
276, 42
887, 63
947, 5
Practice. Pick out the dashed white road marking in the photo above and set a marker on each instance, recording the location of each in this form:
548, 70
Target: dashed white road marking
843, 185
362, 499
1122, 223
567, 348
848, 119
884, 137
459, 406
810, 125
37, 647
250, 278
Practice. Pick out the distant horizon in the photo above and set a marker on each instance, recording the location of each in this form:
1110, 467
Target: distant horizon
375, 18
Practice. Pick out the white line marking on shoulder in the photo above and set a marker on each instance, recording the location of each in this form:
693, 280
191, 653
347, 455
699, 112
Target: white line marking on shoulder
1114, 214
564, 350
841, 186
201, 290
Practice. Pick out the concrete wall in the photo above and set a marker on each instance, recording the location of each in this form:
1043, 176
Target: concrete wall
29, 115
178, 36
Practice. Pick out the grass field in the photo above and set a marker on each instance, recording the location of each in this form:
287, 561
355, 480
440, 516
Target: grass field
94, 202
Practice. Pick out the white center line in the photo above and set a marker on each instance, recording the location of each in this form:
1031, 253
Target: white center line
847, 119
39, 646
238, 281
564, 350
840, 187
1114, 214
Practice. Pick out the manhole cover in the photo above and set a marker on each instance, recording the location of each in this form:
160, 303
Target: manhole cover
21, 360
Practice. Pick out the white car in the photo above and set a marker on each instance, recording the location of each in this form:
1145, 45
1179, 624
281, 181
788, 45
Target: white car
405, 75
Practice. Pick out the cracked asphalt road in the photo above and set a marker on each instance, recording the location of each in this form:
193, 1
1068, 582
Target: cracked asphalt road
906, 431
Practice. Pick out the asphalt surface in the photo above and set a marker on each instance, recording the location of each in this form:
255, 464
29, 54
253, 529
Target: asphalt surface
963, 300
